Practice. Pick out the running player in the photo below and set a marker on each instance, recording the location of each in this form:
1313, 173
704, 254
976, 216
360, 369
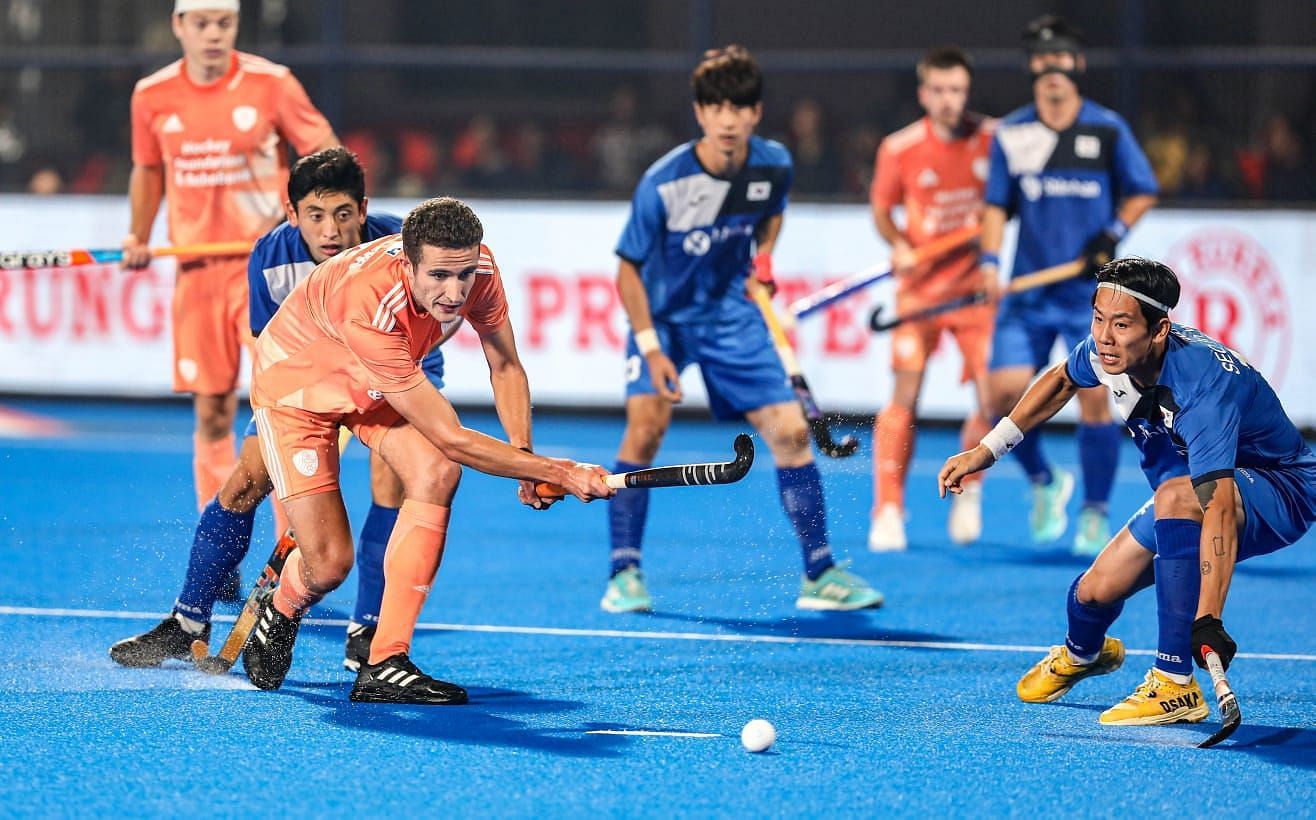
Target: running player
1074, 174
1232, 476
210, 134
936, 169
695, 220
342, 351
326, 213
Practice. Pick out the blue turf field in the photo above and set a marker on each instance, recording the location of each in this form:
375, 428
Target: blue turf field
907, 710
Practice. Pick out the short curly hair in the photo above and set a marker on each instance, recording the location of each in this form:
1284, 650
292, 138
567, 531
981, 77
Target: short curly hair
443, 222
727, 75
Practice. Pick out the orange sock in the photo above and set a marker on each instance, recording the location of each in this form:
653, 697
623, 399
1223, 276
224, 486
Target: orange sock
410, 563
975, 427
893, 444
281, 523
212, 461
291, 597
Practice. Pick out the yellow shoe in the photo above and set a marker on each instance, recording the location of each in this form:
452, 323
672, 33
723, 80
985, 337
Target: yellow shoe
1057, 673
1159, 700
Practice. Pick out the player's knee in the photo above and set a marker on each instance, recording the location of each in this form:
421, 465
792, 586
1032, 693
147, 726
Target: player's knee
644, 438
434, 482
1097, 588
327, 572
244, 490
787, 435
1175, 499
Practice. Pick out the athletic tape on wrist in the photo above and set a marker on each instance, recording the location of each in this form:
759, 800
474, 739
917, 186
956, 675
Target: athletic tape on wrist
1003, 438
1117, 228
989, 260
647, 341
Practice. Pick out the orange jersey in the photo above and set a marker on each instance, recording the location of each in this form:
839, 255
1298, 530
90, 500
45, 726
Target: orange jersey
350, 332
222, 145
940, 184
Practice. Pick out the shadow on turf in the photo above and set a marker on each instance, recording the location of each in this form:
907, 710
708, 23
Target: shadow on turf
838, 625
1285, 746
482, 722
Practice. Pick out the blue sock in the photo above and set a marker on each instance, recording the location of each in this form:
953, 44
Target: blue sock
1178, 580
1088, 623
370, 548
1099, 456
221, 540
626, 515
1029, 454
802, 498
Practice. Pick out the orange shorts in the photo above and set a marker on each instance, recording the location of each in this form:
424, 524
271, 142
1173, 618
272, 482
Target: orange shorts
913, 342
211, 324
300, 448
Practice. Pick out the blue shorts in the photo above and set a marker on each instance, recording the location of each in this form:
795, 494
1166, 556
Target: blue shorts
1279, 507
1025, 334
432, 365
739, 365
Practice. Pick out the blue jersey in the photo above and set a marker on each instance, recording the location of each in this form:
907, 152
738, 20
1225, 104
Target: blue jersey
281, 259
691, 234
1065, 187
1209, 413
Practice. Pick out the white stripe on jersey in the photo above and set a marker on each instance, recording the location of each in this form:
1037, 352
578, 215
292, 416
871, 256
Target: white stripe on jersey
392, 302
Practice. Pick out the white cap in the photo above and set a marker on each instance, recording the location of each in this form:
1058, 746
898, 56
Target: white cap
181, 6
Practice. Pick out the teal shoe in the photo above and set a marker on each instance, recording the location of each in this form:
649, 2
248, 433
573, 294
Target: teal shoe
626, 593
1093, 532
1048, 519
836, 590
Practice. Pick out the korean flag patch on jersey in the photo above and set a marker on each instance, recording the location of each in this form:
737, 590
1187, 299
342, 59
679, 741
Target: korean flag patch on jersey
759, 191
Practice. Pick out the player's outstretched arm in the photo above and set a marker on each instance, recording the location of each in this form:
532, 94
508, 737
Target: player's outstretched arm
511, 392
1043, 399
662, 371
145, 193
427, 409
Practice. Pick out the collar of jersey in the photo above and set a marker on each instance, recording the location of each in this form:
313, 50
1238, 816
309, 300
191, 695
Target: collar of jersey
222, 82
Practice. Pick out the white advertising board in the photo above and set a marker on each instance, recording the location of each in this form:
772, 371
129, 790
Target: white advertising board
98, 330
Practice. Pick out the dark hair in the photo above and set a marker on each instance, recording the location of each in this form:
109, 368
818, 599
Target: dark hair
727, 75
944, 57
1051, 33
1146, 276
333, 169
442, 222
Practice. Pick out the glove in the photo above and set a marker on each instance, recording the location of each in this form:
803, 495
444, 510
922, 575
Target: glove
1100, 249
1209, 631
762, 269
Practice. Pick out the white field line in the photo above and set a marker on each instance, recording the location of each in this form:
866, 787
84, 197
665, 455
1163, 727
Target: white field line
634, 634
650, 733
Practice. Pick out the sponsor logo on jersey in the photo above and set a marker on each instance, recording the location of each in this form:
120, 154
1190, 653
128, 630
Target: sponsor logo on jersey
1034, 187
1233, 293
928, 178
306, 462
173, 125
1087, 146
696, 243
759, 191
244, 117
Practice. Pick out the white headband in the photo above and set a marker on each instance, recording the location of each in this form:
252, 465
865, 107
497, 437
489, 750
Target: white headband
181, 6
1146, 300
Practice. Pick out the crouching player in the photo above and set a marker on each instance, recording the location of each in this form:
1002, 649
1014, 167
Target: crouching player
1232, 475
326, 210
341, 352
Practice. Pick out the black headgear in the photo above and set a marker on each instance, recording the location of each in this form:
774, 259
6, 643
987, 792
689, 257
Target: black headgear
1050, 34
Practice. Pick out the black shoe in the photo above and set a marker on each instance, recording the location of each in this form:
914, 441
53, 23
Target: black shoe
230, 592
268, 653
397, 680
357, 651
167, 640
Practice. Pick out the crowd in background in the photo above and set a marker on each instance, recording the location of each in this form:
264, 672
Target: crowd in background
505, 155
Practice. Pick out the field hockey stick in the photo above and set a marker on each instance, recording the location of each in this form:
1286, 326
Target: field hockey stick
678, 475
822, 435
18, 260
837, 291
1230, 714
237, 639
1042, 278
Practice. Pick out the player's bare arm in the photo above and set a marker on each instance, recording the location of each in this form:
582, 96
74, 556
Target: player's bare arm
1132, 208
1219, 548
636, 303
511, 391
426, 408
993, 233
902, 253
145, 193
1043, 399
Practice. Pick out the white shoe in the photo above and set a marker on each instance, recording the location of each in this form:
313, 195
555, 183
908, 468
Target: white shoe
965, 521
887, 533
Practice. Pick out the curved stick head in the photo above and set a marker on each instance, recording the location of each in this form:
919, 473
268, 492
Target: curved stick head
844, 448
744, 447
877, 324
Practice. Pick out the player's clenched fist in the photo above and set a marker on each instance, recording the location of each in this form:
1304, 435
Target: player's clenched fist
136, 253
584, 481
960, 465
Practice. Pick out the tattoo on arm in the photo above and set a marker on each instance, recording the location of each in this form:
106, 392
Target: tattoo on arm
1219, 544
1206, 567
1205, 491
